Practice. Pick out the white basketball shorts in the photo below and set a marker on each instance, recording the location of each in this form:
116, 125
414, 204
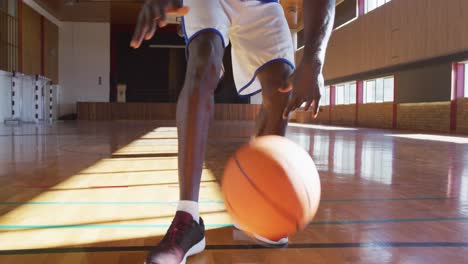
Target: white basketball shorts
258, 31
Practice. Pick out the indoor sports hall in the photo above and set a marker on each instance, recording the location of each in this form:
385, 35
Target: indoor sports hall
89, 140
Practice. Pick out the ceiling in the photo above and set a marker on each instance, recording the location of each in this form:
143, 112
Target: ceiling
126, 11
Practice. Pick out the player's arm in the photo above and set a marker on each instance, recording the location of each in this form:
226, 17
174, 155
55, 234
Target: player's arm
153, 14
319, 16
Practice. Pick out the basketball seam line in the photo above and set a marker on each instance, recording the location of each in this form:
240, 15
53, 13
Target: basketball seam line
280, 210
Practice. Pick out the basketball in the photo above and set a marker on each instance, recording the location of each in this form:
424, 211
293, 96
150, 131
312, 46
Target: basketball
271, 187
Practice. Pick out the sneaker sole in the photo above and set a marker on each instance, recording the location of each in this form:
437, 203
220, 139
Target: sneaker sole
196, 249
264, 241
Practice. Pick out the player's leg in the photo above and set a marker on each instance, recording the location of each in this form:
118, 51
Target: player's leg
195, 108
270, 119
263, 64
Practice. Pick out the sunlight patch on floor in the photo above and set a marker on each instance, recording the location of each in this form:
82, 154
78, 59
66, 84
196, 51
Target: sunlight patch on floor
449, 139
320, 127
129, 179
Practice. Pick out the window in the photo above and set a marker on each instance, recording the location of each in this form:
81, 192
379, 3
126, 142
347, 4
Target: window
325, 99
373, 4
345, 93
8, 35
325, 92
466, 80
378, 90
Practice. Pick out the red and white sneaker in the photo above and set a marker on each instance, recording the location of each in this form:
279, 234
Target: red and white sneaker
184, 238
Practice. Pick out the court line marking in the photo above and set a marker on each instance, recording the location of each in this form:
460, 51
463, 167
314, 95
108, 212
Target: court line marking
241, 247
222, 202
165, 226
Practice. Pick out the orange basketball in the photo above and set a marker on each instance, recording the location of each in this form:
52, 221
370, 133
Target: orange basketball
271, 187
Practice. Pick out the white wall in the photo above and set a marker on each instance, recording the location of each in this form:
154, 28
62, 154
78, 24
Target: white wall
84, 56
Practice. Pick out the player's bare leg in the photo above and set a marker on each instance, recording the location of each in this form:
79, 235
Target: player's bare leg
270, 120
195, 107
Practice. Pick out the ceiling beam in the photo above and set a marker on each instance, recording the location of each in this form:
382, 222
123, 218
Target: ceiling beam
38, 8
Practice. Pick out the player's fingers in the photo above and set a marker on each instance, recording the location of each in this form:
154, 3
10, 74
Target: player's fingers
316, 107
180, 11
289, 107
138, 33
152, 30
308, 104
145, 24
162, 23
286, 111
298, 104
162, 17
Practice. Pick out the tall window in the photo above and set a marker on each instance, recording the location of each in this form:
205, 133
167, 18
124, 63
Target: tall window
325, 92
466, 80
373, 4
345, 93
8, 35
378, 90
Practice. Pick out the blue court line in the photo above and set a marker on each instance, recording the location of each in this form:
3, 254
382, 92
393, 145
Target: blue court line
164, 226
222, 202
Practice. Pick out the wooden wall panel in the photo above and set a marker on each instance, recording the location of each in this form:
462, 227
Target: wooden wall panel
462, 116
159, 111
399, 32
424, 116
31, 41
343, 115
305, 117
51, 51
376, 115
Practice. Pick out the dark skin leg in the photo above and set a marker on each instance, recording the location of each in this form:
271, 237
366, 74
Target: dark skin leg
195, 110
270, 120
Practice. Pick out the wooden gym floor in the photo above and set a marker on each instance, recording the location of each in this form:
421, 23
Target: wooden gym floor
105, 192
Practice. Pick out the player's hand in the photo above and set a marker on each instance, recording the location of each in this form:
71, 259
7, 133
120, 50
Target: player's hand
153, 14
306, 84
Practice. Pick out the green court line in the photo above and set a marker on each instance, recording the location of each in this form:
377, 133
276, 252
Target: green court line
222, 202
132, 226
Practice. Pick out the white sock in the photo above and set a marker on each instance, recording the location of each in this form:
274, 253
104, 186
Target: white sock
190, 207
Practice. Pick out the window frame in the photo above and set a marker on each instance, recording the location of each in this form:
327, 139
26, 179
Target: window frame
377, 5
373, 100
349, 88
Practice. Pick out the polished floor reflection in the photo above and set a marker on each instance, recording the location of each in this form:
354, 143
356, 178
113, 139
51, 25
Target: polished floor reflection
104, 192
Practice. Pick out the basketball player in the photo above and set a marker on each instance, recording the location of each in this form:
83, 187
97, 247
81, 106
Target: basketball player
263, 60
